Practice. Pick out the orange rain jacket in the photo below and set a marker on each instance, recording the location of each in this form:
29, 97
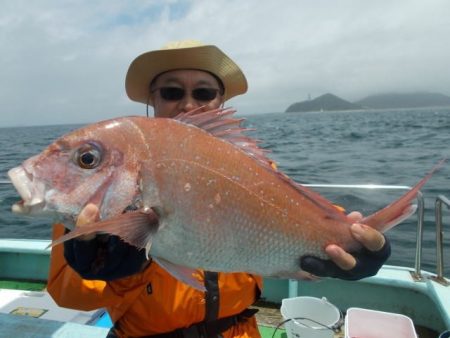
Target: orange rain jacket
152, 301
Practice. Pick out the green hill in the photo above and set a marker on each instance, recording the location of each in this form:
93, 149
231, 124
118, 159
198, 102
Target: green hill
407, 100
326, 102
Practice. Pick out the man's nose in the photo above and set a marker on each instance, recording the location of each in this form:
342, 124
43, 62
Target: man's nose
188, 103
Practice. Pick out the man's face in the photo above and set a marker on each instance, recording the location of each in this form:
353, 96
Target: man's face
180, 91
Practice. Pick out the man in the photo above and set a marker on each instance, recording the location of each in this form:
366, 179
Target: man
142, 299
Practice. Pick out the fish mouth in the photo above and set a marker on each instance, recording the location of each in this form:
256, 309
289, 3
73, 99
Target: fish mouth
30, 190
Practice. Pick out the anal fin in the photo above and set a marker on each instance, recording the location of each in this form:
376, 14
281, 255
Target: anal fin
181, 273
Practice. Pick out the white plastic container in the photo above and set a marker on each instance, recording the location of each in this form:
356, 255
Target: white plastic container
377, 324
316, 310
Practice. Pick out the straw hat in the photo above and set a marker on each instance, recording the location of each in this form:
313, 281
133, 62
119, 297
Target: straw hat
188, 54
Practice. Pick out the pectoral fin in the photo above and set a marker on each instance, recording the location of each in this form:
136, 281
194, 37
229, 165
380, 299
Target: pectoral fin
136, 228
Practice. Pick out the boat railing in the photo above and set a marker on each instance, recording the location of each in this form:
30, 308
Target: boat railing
416, 275
440, 200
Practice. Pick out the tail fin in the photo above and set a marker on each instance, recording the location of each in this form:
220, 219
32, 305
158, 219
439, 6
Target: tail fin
401, 209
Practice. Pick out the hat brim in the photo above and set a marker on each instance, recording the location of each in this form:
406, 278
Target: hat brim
209, 58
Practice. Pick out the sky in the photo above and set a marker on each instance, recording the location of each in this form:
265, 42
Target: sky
65, 61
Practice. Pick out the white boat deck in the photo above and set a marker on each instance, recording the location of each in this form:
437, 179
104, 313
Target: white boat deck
26, 326
35, 314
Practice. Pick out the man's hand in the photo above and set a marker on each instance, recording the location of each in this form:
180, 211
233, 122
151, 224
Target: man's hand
89, 214
352, 266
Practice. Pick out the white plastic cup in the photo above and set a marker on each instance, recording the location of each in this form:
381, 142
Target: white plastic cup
319, 317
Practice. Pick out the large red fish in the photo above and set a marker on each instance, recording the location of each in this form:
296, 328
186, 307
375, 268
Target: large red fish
220, 204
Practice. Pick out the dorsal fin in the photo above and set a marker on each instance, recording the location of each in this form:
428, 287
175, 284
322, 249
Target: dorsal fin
220, 123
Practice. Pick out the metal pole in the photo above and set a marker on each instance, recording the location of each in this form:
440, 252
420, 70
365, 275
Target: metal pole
419, 239
439, 235
293, 288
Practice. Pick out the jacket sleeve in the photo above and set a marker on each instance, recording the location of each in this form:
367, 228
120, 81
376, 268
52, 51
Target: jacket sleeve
69, 289
105, 257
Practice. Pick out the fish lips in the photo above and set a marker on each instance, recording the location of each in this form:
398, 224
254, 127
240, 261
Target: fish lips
30, 190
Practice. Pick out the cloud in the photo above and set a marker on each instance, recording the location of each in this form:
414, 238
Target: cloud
65, 61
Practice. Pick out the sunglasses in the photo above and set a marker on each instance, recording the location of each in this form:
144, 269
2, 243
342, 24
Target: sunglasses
177, 93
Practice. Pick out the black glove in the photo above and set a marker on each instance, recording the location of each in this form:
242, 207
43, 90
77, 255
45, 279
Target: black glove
367, 264
104, 258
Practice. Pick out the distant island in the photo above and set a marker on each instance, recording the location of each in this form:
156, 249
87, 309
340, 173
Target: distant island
330, 102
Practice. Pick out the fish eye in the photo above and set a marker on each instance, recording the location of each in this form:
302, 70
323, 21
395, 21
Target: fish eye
87, 156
